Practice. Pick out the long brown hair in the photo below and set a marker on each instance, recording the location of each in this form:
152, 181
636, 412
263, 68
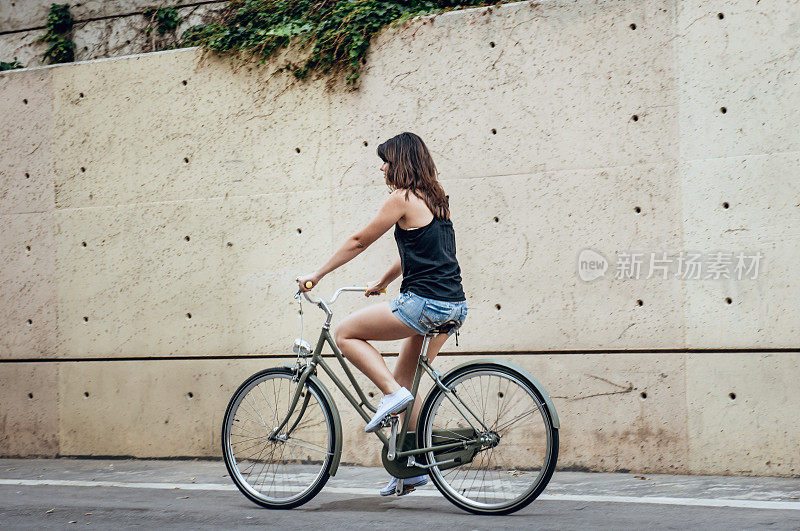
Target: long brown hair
411, 167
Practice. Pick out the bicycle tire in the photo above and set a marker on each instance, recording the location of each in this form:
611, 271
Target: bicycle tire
320, 478
429, 430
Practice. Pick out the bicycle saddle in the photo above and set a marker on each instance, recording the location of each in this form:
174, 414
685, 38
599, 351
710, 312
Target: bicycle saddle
444, 327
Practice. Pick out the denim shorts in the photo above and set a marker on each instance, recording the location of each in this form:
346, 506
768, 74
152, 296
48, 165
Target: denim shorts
423, 314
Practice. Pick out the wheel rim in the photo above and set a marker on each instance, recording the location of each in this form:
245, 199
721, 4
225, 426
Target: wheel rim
282, 470
492, 481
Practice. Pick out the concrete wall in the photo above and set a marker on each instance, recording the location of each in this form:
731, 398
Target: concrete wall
102, 28
171, 199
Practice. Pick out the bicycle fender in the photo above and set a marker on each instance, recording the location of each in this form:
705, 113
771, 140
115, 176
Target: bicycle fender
551, 408
337, 423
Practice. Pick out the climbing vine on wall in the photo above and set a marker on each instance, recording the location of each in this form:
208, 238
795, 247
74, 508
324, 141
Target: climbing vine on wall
59, 35
10, 66
164, 21
338, 31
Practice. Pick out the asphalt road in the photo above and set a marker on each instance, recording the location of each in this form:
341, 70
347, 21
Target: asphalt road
62, 493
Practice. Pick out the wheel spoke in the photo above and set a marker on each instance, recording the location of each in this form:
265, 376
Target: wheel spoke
277, 473
518, 438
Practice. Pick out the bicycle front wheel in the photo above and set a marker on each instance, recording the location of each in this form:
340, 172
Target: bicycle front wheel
286, 469
517, 454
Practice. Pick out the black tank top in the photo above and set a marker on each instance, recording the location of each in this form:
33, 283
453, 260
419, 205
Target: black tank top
428, 259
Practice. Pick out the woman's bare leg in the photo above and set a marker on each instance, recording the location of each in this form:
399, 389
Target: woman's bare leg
375, 322
407, 365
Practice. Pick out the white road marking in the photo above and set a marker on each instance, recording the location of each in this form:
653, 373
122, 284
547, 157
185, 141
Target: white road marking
659, 500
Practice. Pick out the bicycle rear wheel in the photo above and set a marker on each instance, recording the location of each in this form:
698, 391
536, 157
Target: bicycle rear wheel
289, 469
516, 459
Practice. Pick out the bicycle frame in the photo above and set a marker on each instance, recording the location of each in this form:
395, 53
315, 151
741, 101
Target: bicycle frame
303, 373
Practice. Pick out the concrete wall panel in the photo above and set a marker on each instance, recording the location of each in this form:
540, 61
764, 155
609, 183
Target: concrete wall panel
28, 409
744, 206
742, 413
27, 286
117, 35
129, 291
149, 138
15, 16
545, 115
26, 135
746, 62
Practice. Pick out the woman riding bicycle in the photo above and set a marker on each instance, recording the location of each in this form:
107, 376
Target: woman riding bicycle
430, 293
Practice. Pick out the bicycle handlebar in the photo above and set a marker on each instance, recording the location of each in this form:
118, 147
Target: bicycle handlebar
335, 295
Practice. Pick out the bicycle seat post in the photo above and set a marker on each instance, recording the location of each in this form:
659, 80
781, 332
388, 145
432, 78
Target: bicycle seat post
424, 352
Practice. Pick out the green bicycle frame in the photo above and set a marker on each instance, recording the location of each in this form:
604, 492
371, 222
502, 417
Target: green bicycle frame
361, 402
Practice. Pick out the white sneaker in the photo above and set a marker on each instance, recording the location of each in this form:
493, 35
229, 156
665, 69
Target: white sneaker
408, 485
389, 405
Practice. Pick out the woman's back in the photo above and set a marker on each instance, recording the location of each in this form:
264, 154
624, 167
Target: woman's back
427, 248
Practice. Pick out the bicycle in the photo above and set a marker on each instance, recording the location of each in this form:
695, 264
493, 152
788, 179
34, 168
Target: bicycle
282, 435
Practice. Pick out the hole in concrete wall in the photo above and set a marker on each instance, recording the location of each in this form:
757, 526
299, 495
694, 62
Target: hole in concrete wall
725, 204
30, 395
491, 43
635, 117
230, 244
723, 110
128, 41
80, 94
720, 15
166, 421
30, 321
496, 219
637, 209
85, 48
85, 319
83, 244
25, 101
83, 169
494, 131
27, 175
643, 394
297, 150
186, 160
366, 143
188, 315
639, 302
633, 26
496, 306
299, 231
27, 247
732, 396
184, 82
190, 394
187, 238
728, 300
371, 394
90, 196
500, 394
86, 394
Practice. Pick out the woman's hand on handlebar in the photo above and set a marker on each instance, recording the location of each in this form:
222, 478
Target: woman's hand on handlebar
376, 287
302, 280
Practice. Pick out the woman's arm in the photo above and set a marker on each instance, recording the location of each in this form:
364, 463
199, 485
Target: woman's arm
349, 250
392, 274
392, 210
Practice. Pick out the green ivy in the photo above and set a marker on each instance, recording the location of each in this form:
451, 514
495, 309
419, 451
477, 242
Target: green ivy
340, 30
10, 66
59, 35
166, 18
